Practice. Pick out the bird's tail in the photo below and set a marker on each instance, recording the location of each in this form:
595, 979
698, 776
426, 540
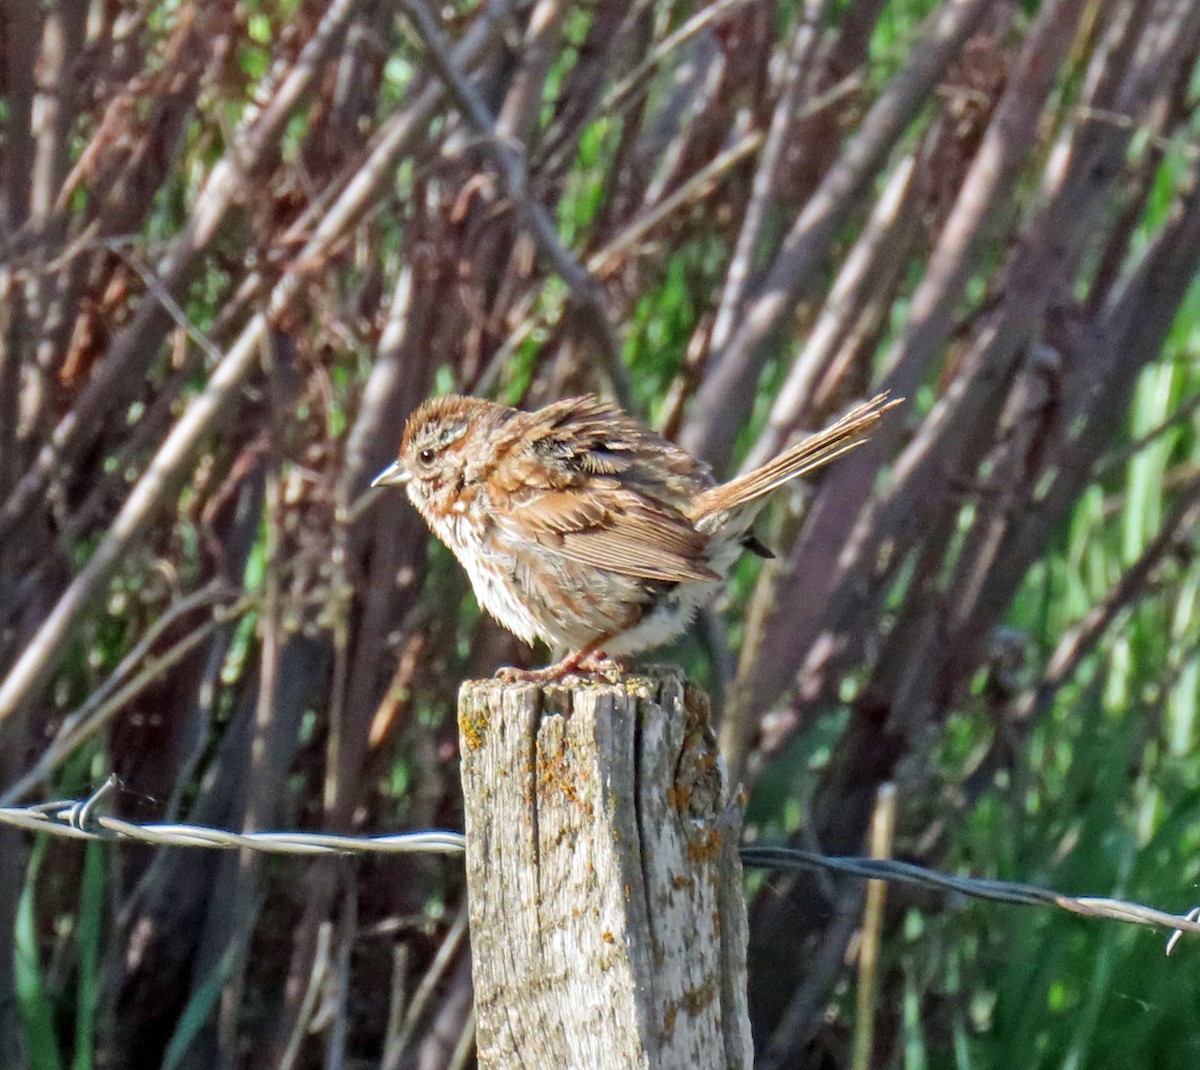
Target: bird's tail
806, 456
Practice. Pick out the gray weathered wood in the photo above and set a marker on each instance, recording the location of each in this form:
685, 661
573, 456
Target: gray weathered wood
608, 925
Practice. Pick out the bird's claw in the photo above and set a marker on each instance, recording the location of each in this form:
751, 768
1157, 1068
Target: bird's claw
591, 663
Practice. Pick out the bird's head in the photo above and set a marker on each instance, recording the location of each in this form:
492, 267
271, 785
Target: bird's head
439, 444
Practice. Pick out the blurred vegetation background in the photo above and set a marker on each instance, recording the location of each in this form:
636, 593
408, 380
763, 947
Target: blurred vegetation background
240, 241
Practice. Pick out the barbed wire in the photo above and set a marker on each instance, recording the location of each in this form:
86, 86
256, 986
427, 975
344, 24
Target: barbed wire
1088, 906
81, 820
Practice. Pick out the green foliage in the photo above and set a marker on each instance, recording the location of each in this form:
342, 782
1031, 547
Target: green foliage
201, 1004
92, 891
1107, 803
34, 999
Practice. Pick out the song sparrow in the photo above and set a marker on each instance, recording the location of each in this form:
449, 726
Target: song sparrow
581, 527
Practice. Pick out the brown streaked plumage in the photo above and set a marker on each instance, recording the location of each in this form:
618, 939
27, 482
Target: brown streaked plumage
579, 526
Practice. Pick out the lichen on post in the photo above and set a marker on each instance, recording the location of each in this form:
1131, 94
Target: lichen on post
608, 926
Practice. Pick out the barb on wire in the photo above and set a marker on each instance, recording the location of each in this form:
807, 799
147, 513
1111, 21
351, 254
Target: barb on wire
1089, 906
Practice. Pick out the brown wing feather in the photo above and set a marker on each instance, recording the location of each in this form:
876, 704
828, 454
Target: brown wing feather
619, 531
596, 487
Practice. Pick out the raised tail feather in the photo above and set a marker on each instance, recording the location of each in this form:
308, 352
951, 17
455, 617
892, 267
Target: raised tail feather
813, 452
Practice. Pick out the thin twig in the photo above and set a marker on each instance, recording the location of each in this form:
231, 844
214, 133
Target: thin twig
803, 47
1184, 148
437, 969
465, 1047
883, 827
1083, 636
154, 285
693, 189
109, 699
396, 1005
1106, 466
339, 1031
644, 71
312, 992
696, 187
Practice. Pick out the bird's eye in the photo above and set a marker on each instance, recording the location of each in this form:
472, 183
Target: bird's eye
426, 456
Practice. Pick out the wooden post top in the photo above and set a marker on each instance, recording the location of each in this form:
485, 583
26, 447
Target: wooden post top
608, 925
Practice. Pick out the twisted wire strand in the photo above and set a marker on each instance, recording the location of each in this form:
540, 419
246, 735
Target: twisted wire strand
80, 820
791, 859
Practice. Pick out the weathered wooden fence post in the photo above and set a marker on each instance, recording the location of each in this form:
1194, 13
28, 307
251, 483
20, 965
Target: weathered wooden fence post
608, 925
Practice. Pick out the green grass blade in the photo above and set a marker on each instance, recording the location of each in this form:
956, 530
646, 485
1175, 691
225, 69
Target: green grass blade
35, 1002
91, 918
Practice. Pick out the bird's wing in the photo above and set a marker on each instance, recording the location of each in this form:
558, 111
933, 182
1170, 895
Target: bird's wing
583, 480
610, 527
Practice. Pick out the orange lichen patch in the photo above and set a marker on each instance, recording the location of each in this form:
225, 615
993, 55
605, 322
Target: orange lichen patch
696, 705
681, 881
472, 725
608, 937
696, 999
698, 790
678, 796
554, 775
707, 756
558, 774
705, 845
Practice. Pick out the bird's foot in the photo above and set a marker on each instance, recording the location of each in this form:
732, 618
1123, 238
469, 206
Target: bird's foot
584, 661
600, 664
510, 674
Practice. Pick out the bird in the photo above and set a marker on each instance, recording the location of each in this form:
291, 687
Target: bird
580, 526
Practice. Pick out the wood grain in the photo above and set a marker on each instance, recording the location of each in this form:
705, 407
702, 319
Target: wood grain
608, 926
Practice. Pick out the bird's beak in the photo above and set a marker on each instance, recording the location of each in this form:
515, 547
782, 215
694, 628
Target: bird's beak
394, 475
